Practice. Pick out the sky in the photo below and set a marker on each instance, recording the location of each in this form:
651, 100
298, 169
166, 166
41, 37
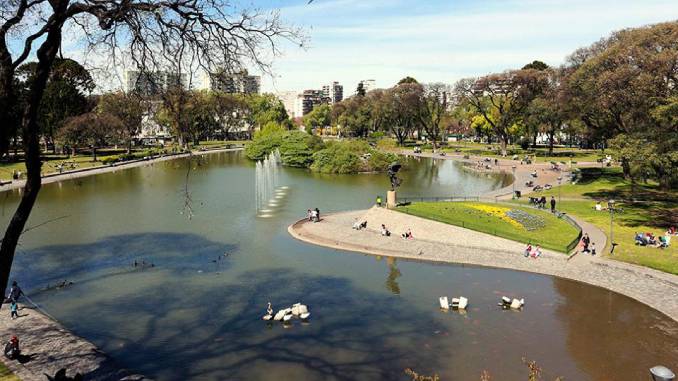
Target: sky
441, 41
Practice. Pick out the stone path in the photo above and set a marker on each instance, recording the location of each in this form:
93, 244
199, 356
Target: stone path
49, 347
439, 242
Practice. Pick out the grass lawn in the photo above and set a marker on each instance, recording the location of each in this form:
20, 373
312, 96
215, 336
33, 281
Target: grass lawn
6, 374
560, 154
653, 210
545, 229
51, 162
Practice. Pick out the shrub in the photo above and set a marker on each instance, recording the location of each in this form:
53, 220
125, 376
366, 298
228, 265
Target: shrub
351, 156
297, 148
387, 144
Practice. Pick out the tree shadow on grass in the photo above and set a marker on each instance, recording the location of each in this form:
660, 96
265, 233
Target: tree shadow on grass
353, 333
50, 265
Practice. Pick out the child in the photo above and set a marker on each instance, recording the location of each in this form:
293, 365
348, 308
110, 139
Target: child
593, 248
14, 308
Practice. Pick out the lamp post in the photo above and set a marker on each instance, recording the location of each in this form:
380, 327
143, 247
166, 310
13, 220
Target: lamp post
514, 182
560, 179
610, 208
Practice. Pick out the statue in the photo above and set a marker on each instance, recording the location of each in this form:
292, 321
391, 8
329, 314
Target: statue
392, 175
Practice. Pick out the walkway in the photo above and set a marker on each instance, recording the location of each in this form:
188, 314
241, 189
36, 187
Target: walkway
439, 242
49, 347
78, 173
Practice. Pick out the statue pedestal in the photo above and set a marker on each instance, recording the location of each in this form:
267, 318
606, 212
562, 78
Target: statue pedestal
391, 200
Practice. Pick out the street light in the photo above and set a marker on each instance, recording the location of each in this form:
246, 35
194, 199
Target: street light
610, 207
514, 182
560, 179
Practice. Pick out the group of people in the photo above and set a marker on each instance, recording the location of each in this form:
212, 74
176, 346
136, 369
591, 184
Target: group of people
531, 252
313, 215
588, 246
540, 202
649, 239
12, 350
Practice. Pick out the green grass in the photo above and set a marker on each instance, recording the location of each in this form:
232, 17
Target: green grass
555, 234
560, 154
646, 208
6, 374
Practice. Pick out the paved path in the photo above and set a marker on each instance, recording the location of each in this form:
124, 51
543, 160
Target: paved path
49, 347
439, 242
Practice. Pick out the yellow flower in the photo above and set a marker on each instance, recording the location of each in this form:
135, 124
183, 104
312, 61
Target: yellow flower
498, 212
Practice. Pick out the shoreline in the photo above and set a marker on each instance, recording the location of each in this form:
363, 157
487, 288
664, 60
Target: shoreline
48, 347
653, 288
92, 171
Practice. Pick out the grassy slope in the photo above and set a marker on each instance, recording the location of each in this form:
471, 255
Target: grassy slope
6, 374
560, 154
555, 235
654, 212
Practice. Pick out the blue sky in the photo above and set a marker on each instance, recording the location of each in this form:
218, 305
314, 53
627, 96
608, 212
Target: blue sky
440, 40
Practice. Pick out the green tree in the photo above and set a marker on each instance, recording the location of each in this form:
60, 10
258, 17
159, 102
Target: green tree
319, 117
91, 129
502, 98
432, 109
536, 65
402, 103
128, 108
407, 79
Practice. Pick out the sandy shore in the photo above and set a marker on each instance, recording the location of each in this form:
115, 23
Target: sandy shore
78, 173
439, 242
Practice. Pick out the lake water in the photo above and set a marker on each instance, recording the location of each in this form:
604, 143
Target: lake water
196, 314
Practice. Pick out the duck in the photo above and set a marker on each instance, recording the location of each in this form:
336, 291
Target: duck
269, 313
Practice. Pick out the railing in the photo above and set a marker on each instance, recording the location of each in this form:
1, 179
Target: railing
437, 199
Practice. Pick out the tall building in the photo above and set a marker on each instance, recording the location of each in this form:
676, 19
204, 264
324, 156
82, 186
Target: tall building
307, 100
369, 85
154, 83
233, 83
334, 92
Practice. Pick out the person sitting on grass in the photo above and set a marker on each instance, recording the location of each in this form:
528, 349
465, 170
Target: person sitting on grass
664, 241
672, 231
598, 207
385, 231
640, 239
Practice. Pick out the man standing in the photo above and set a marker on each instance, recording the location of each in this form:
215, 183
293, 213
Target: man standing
379, 201
553, 204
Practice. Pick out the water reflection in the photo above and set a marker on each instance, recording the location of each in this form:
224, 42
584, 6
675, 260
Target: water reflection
393, 275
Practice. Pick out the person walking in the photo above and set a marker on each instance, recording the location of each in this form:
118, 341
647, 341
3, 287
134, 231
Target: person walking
14, 310
15, 292
317, 215
379, 201
553, 204
586, 241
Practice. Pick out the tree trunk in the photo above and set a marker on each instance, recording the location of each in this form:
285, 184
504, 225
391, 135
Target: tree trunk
551, 138
503, 141
45, 55
7, 103
94, 153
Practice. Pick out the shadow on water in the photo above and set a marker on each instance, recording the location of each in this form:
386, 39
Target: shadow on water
353, 333
49, 265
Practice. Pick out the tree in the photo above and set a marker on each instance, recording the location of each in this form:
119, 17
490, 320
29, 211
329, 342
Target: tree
319, 117
536, 65
266, 108
617, 85
66, 93
91, 129
128, 108
354, 118
407, 79
360, 90
402, 104
231, 111
153, 35
502, 98
548, 111
432, 108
